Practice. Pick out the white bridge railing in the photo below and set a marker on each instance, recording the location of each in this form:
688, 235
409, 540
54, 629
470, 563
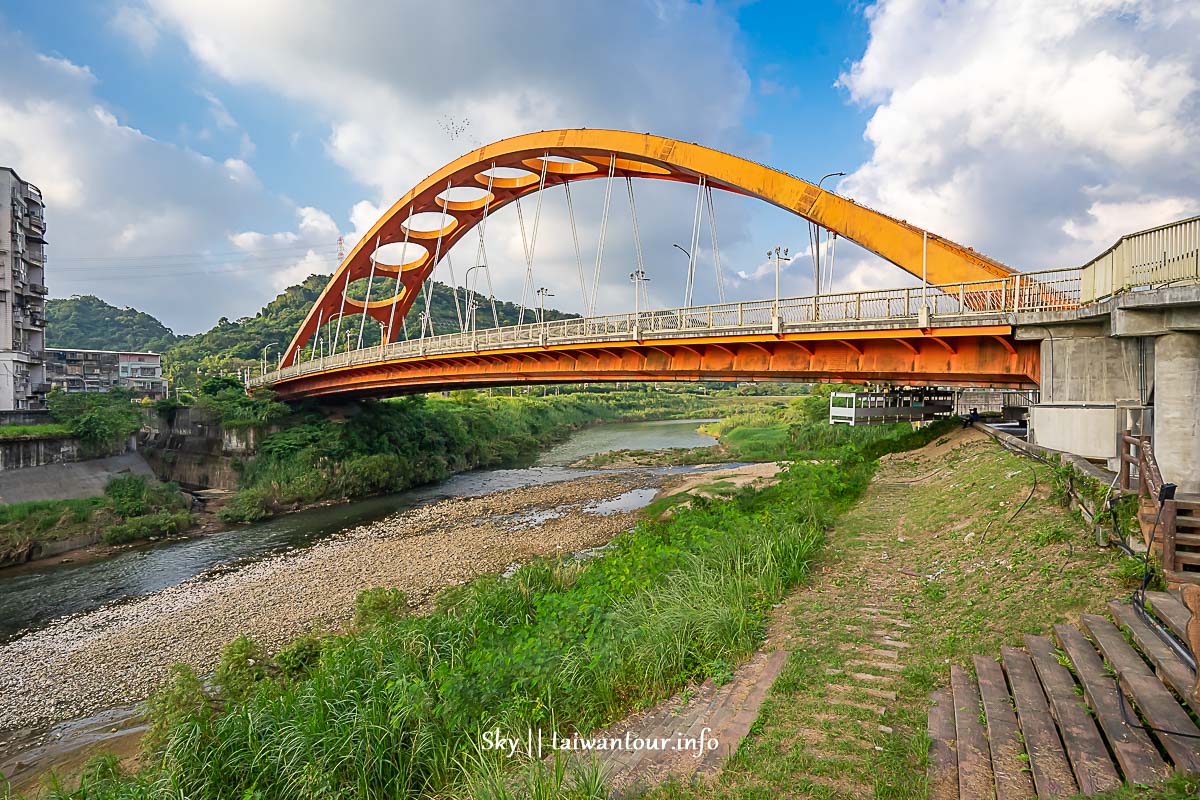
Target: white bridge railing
1029, 291
1162, 255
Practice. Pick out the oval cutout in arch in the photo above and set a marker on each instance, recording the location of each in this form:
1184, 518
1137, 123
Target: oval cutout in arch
559, 165
507, 178
429, 225
388, 256
463, 198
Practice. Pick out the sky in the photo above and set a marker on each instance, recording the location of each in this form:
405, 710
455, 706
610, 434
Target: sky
199, 157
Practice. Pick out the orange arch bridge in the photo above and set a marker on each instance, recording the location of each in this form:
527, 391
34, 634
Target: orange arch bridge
973, 348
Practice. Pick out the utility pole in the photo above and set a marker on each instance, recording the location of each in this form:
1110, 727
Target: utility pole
778, 258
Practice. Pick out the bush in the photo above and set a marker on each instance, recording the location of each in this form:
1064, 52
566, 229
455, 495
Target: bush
242, 667
248, 505
162, 523
128, 494
374, 606
181, 700
297, 659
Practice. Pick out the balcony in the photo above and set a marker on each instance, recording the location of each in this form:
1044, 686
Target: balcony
38, 288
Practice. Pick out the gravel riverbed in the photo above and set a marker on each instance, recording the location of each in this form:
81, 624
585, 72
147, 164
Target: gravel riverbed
120, 653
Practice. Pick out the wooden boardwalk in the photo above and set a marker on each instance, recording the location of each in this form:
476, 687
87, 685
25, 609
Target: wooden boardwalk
1079, 714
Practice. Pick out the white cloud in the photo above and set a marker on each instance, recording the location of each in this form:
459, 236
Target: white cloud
115, 196
1033, 130
414, 89
135, 25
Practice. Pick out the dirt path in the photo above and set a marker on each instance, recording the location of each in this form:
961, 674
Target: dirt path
927, 568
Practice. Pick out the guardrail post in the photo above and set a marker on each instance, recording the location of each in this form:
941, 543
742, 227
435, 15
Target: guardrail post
907, 300
710, 316
1016, 293
858, 306
740, 315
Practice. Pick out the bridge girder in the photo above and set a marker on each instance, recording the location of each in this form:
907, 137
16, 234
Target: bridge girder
979, 356
638, 155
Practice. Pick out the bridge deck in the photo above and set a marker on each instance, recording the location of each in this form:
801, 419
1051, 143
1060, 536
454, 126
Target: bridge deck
959, 334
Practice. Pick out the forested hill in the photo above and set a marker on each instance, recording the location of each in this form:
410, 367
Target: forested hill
236, 344
88, 323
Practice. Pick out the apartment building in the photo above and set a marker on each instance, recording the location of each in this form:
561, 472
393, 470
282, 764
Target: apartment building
74, 370
22, 294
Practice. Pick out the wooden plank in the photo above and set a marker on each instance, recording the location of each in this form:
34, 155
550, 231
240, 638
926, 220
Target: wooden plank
1155, 702
1047, 760
975, 779
943, 751
1004, 737
1168, 608
1167, 663
1136, 754
1090, 761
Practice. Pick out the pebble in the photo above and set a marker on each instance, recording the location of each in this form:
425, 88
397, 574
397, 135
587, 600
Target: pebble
121, 653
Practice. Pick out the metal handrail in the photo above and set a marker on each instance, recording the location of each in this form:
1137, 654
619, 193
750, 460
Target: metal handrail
1040, 291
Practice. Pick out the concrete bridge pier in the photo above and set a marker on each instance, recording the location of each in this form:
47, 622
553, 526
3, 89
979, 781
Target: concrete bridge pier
1129, 362
1177, 408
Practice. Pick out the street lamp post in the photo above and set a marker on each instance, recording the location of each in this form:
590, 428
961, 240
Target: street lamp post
264, 357
817, 242
637, 277
778, 258
472, 303
333, 339
542, 294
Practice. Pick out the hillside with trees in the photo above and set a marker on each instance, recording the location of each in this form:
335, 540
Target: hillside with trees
88, 323
233, 345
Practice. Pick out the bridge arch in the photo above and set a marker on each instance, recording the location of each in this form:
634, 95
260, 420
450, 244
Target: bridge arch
512, 168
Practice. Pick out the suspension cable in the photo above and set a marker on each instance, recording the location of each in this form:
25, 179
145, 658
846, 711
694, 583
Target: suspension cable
437, 255
399, 272
530, 245
712, 227
690, 286
337, 335
575, 238
481, 252
637, 238
454, 289
612, 168
362, 325
832, 256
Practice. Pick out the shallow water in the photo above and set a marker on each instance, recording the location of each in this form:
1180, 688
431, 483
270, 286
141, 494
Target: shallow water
33, 598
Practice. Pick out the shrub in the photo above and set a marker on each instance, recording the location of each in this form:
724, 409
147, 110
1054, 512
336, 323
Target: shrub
128, 495
242, 666
182, 699
248, 505
297, 659
374, 606
162, 523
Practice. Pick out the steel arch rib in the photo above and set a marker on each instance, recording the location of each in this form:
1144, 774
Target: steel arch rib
639, 155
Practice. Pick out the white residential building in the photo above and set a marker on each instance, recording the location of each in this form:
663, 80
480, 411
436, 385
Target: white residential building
22, 294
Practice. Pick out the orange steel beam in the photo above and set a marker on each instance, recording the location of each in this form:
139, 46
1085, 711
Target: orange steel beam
981, 356
638, 155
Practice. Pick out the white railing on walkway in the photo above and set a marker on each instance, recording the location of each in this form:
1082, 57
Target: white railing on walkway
1166, 254
1030, 291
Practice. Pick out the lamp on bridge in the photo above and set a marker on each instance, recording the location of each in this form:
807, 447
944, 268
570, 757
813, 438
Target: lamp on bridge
637, 277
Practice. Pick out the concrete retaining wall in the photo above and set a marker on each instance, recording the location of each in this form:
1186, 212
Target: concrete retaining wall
36, 452
68, 480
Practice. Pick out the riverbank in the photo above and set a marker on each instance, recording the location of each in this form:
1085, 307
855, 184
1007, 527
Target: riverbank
119, 654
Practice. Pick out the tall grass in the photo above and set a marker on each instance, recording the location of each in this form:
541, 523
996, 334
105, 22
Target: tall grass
397, 708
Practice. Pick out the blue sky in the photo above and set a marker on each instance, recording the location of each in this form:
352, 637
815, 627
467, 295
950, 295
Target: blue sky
199, 157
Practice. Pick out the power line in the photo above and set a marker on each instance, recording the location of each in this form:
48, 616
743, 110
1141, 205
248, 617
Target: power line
198, 254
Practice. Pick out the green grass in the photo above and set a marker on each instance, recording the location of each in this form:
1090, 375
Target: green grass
397, 707
131, 508
995, 578
46, 431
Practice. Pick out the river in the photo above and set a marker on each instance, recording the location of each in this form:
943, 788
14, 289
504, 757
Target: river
39, 599
32, 598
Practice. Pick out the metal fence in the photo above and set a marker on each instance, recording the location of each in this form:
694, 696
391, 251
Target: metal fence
1166, 254
1033, 291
